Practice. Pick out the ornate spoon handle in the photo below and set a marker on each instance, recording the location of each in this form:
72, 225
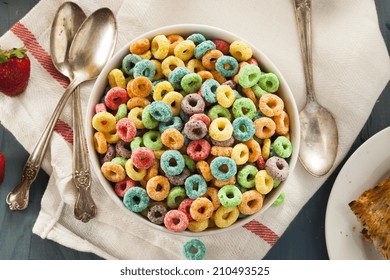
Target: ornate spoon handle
84, 208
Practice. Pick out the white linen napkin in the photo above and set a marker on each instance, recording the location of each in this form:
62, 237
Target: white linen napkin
351, 68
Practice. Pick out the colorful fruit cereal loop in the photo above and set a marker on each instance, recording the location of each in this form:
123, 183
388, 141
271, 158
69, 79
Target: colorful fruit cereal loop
222, 45
212, 195
113, 172
240, 154
184, 50
139, 46
135, 115
249, 75
104, 122
157, 65
226, 143
221, 151
175, 196
176, 220
170, 63
115, 96
225, 96
194, 250
158, 188
156, 213
201, 209
121, 112
196, 66
226, 216
152, 140
227, 66
120, 160
203, 169
265, 151
176, 75
147, 119
116, 78
210, 58
240, 66
240, 50
126, 129
271, 105
249, 93
185, 206
223, 168
251, 203
269, 82
198, 149
201, 117
195, 186
193, 104
277, 167
280, 199
258, 91
196, 226
123, 186
143, 158
160, 46
133, 172
220, 183
100, 107
191, 82
195, 129
265, 127
243, 129
129, 62
179, 179
221, 129
173, 99
161, 89
197, 38
144, 68
136, 199
282, 147
202, 48
254, 150
175, 123
122, 149
172, 162
141, 87
189, 162
244, 107
160, 111
282, 123
112, 138
172, 139
263, 182
205, 75
229, 196
218, 77
151, 172
100, 142
173, 39
146, 55
209, 90
246, 176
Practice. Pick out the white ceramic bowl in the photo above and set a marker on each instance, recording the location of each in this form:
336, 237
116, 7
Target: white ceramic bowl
210, 33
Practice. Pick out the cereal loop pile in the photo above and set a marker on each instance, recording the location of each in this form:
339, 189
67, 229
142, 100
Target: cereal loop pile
191, 133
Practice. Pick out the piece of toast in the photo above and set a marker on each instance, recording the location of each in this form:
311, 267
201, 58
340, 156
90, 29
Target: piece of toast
372, 210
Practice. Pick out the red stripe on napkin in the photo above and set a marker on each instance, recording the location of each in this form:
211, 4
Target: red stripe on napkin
262, 231
64, 130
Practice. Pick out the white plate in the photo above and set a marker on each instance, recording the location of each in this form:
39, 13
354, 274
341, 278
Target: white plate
368, 165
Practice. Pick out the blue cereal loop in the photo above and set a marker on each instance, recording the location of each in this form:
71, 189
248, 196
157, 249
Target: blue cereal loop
243, 129
191, 182
209, 89
197, 38
128, 63
203, 47
227, 66
170, 168
160, 111
136, 199
194, 250
175, 123
219, 162
176, 76
144, 68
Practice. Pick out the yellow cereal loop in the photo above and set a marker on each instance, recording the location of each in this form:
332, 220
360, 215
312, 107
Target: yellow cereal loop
225, 217
195, 66
104, 122
170, 63
100, 142
174, 39
173, 100
112, 138
160, 47
221, 151
225, 96
161, 89
240, 154
196, 226
116, 78
135, 115
204, 169
133, 172
146, 55
184, 50
159, 75
158, 153
220, 129
265, 151
240, 50
263, 182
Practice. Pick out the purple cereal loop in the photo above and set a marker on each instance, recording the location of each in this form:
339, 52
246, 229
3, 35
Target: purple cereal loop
195, 129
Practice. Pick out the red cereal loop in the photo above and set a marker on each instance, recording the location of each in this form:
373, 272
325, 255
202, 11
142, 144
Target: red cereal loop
126, 129
185, 206
100, 107
115, 97
201, 117
143, 158
123, 186
198, 149
176, 220
260, 162
222, 46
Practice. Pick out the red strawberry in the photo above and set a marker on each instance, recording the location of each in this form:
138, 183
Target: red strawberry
2, 167
14, 71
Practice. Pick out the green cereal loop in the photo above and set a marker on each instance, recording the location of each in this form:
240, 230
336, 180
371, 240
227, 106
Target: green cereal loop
246, 176
282, 147
194, 250
217, 111
197, 38
269, 82
147, 119
136, 143
119, 160
280, 199
204, 47
258, 91
175, 197
191, 82
244, 107
190, 163
129, 62
176, 76
249, 75
122, 112
230, 196
152, 140
276, 183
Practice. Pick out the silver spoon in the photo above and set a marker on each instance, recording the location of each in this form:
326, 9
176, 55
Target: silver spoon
92, 46
319, 136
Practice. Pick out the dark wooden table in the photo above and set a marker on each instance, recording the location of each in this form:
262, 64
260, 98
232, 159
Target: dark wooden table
303, 240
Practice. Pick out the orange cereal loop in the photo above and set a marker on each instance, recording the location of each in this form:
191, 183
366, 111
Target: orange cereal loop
271, 105
282, 123
201, 209
265, 151
100, 142
113, 172
139, 46
212, 195
195, 66
218, 77
250, 94
220, 184
151, 172
116, 78
254, 149
158, 188
210, 58
204, 169
172, 139
173, 39
137, 102
135, 115
141, 86
221, 151
265, 127
129, 88
205, 75
251, 203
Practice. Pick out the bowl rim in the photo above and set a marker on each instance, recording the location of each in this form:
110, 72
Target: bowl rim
208, 31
